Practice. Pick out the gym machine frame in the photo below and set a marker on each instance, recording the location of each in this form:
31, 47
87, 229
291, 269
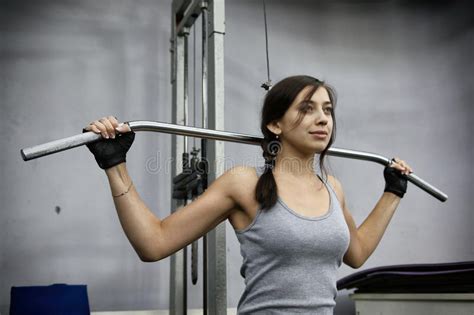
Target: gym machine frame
184, 16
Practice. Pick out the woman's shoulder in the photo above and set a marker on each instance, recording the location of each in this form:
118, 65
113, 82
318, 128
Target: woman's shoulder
243, 182
236, 183
242, 173
235, 177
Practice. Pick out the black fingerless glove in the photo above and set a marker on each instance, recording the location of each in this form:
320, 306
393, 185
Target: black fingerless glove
395, 182
111, 152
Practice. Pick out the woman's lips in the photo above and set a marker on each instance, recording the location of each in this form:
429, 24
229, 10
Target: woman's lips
319, 134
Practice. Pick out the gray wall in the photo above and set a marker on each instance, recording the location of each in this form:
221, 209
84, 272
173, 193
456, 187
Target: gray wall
403, 72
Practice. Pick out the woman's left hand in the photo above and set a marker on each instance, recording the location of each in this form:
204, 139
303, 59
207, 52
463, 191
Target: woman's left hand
401, 165
393, 173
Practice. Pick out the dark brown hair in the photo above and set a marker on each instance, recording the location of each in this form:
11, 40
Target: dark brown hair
276, 103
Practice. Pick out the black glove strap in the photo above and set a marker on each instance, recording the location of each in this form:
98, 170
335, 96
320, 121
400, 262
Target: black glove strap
111, 152
395, 181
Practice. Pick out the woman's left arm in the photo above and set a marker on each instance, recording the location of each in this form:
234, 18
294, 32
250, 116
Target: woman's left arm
365, 238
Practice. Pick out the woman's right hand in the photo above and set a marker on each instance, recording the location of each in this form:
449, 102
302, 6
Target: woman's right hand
116, 140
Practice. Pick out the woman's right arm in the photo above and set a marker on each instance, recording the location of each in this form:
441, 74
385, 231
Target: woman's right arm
154, 239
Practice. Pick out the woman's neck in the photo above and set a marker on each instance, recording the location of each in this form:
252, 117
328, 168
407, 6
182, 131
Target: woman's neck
296, 165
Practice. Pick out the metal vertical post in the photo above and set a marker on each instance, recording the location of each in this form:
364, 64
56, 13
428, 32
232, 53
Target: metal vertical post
216, 239
177, 304
186, 84
204, 19
213, 17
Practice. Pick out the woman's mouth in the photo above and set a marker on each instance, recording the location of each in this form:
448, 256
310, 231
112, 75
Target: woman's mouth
319, 134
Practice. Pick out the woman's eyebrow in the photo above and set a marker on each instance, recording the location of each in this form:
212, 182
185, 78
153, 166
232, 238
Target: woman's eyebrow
311, 102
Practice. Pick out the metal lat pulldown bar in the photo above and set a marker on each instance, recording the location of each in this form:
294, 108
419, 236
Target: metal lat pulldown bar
155, 126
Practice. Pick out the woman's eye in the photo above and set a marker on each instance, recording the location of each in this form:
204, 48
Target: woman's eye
328, 110
306, 108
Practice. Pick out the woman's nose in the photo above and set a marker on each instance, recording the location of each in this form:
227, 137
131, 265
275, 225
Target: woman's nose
321, 118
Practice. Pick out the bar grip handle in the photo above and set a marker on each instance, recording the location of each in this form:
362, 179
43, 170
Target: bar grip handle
58, 145
433, 191
372, 157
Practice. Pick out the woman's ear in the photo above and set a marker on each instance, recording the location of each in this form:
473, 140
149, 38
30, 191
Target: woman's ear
274, 127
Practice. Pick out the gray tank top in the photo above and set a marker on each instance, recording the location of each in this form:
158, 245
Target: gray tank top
290, 261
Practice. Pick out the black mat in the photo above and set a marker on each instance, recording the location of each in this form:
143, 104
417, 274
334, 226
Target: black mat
455, 277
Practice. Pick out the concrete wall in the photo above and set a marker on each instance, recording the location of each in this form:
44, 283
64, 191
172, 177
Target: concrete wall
402, 70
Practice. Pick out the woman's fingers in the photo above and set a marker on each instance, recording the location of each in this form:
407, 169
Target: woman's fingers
123, 127
401, 165
97, 127
108, 127
103, 130
93, 128
113, 120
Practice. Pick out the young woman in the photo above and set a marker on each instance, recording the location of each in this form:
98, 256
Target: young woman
293, 224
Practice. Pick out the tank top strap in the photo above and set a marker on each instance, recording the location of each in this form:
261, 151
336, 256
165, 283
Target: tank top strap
327, 183
331, 191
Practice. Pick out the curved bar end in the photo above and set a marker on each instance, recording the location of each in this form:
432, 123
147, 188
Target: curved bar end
23, 155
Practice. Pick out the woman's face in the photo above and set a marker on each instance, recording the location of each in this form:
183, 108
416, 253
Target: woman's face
317, 117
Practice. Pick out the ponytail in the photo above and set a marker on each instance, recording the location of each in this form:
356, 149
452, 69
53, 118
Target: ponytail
266, 191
